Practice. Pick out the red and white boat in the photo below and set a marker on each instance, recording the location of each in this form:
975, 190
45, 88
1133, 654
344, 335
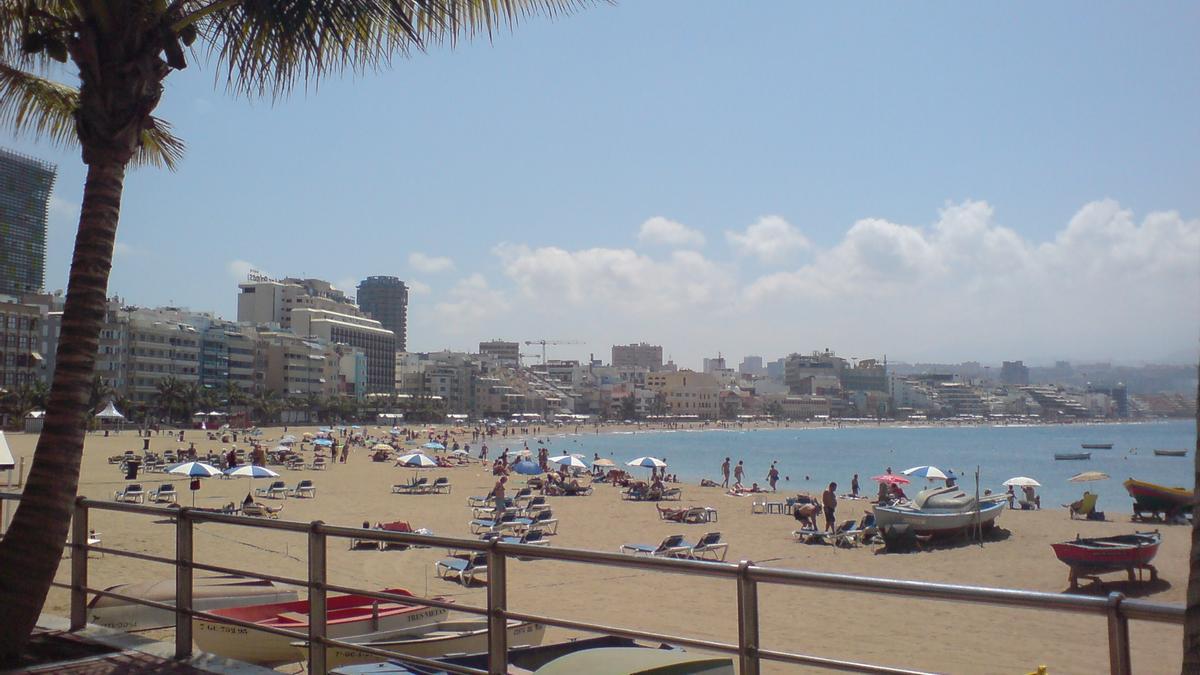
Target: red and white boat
346, 615
1087, 557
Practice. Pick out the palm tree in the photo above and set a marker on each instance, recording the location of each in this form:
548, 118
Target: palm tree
123, 51
1191, 620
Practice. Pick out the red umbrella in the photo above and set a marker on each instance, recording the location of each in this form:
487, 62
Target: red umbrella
891, 479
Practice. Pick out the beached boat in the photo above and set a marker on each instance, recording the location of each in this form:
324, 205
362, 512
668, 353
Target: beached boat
1170, 453
1155, 499
1072, 455
346, 615
1096, 446
942, 511
1129, 552
468, 636
208, 593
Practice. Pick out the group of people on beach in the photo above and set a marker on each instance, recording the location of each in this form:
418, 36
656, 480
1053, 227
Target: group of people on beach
739, 473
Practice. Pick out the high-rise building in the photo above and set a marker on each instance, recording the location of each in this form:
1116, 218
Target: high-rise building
647, 356
752, 365
263, 300
1015, 373
506, 354
385, 299
25, 185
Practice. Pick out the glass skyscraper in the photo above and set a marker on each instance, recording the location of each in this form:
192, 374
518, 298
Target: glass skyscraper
25, 185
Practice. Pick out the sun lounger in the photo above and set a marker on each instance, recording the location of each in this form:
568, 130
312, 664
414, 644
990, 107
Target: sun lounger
304, 488
675, 494
260, 510
131, 493
863, 531
483, 524
543, 520
665, 548
396, 526
825, 536
415, 487
709, 547
318, 464
165, 494
276, 490
464, 570
440, 485
1084, 507
533, 537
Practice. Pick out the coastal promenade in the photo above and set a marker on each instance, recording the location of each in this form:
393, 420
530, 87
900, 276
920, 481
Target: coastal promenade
874, 628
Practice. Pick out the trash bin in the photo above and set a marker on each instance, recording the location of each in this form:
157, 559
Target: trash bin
131, 469
145, 443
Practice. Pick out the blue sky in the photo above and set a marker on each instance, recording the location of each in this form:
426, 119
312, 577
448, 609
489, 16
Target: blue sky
935, 181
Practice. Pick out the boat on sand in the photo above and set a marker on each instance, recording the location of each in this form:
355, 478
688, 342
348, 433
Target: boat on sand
1097, 555
346, 615
447, 637
1157, 499
208, 593
942, 511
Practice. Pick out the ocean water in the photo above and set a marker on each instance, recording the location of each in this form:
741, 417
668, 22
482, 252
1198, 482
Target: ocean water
811, 458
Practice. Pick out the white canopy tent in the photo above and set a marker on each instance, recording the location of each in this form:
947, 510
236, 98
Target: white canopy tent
110, 415
6, 458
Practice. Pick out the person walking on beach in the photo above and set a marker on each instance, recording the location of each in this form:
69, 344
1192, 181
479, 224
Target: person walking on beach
725, 473
498, 493
829, 502
854, 485
773, 477
739, 472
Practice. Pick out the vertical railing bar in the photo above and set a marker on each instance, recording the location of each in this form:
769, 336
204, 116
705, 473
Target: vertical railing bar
747, 596
497, 603
79, 565
1119, 660
184, 554
316, 598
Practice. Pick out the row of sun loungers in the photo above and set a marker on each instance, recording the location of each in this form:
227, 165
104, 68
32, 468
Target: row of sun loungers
373, 545
691, 515
709, 547
848, 534
468, 567
650, 494
422, 486
512, 521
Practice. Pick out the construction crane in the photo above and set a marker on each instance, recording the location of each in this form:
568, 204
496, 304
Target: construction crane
543, 342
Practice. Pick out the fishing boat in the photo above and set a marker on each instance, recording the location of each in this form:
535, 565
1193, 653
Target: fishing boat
1096, 446
208, 593
1072, 455
1156, 499
346, 615
1170, 453
1129, 552
468, 636
942, 511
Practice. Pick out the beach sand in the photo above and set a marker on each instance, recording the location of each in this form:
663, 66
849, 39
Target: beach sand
922, 634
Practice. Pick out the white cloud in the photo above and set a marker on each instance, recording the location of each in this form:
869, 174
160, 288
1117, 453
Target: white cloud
61, 208
417, 288
659, 230
428, 263
122, 249
468, 304
239, 269
771, 239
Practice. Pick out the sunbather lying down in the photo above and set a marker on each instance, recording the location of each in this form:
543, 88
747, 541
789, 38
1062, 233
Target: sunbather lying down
739, 490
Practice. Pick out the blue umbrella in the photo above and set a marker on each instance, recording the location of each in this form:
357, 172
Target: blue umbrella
930, 472
432, 445
526, 467
323, 441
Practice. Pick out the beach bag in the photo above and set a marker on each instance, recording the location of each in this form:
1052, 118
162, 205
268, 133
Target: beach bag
1096, 515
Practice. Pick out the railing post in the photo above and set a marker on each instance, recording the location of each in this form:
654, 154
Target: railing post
79, 565
747, 595
183, 584
1119, 660
497, 602
316, 598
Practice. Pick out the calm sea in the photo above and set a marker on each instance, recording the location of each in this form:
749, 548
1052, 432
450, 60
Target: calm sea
835, 454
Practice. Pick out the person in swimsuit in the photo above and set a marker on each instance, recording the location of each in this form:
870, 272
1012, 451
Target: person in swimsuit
829, 502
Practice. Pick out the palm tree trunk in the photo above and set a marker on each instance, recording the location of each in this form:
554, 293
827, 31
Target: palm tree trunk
31, 550
1191, 620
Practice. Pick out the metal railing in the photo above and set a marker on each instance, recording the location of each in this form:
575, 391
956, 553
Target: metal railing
1118, 609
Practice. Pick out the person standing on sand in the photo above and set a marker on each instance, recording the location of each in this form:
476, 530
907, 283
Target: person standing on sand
829, 502
773, 477
854, 485
725, 473
498, 493
738, 472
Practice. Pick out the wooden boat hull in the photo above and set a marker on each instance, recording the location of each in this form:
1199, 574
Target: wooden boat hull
1170, 453
1072, 455
448, 637
937, 522
1096, 446
208, 593
347, 615
1151, 497
1109, 554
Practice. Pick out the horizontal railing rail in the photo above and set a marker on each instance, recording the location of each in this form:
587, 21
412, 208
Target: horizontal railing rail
1118, 609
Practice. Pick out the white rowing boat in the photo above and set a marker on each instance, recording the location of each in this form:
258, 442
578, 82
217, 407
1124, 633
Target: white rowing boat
208, 593
468, 636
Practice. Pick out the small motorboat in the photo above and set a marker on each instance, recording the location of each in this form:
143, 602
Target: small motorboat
1157, 499
1090, 557
468, 636
942, 511
1170, 453
1096, 446
346, 615
208, 593
1072, 455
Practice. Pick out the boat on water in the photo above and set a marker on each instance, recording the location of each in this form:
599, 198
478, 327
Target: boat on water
346, 615
208, 593
1072, 455
1157, 499
1097, 555
1096, 446
1170, 453
468, 636
942, 511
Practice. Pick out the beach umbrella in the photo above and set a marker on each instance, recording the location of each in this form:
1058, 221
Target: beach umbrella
460, 451
433, 445
891, 479
287, 440
526, 467
1021, 481
325, 442
930, 472
416, 459
603, 461
282, 448
382, 446
569, 460
251, 471
648, 462
194, 470
395, 432
1088, 476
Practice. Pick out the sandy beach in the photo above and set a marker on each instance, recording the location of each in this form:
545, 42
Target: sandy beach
932, 635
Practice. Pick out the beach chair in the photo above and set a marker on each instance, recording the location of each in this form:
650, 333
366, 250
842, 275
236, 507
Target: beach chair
276, 490
525, 494
668, 545
464, 570
533, 537
1084, 507
165, 494
318, 464
536, 504
862, 532
415, 487
131, 493
709, 547
293, 462
441, 484
480, 525
257, 510
395, 526
364, 544
826, 537
304, 488
542, 520
675, 494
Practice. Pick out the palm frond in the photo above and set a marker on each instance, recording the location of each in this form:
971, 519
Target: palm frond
159, 147
267, 47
